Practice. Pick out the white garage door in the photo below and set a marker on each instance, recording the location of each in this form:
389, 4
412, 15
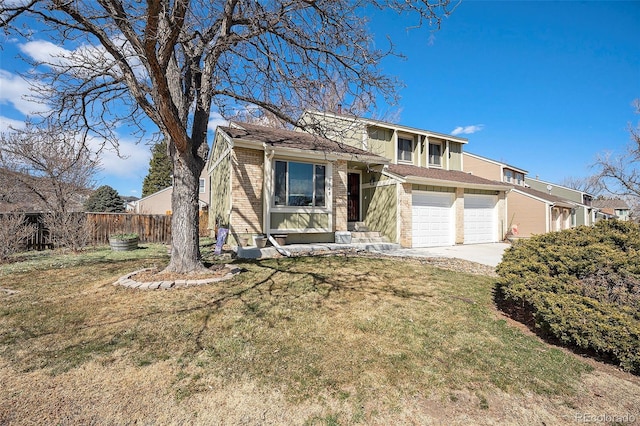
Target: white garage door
480, 219
433, 219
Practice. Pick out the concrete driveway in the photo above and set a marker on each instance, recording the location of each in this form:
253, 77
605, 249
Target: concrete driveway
486, 254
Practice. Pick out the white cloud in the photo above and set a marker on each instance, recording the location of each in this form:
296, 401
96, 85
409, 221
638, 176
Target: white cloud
132, 163
44, 51
15, 91
7, 124
215, 120
467, 130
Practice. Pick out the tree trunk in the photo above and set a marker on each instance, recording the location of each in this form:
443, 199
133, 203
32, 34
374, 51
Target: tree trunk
185, 250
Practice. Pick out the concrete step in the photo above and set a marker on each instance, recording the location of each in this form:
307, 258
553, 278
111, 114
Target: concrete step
368, 237
357, 226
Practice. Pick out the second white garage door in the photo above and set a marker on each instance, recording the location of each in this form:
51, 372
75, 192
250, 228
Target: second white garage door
480, 219
432, 219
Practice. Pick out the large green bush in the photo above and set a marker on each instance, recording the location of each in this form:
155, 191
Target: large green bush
581, 286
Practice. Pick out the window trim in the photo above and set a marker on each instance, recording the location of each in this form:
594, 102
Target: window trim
313, 208
411, 150
440, 157
202, 186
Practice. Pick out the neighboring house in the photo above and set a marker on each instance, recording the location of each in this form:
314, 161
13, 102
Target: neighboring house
403, 182
160, 202
584, 212
612, 208
529, 211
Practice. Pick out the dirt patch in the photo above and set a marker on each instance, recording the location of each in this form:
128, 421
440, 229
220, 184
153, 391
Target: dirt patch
215, 271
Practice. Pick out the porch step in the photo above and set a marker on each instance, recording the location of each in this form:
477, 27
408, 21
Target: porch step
357, 227
358, 237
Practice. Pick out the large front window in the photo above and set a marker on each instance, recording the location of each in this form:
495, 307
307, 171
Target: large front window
405, 149
299, 184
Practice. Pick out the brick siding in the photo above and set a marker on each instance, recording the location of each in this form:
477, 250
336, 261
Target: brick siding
247, 179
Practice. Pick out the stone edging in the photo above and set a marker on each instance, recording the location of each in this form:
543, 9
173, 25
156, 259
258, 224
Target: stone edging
128, 281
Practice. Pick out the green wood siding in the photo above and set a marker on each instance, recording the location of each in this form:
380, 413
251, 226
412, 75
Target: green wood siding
455, 159
299, 221
380, 141
380, 207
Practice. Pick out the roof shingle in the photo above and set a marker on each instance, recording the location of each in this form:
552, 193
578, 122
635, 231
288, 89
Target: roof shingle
440, 174
282, 138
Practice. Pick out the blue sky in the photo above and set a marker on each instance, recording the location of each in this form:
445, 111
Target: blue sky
544, 86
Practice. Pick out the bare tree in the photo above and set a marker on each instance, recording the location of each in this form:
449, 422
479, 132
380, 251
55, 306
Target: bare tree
620, 175
50, 165
590, 184
174, 61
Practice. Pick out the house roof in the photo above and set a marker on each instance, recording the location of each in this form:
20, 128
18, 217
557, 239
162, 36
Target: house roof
552, 199
454, 176
297, 140
379, 123
508, 166
610, 203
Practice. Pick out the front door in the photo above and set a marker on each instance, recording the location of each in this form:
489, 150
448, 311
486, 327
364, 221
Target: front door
353, 197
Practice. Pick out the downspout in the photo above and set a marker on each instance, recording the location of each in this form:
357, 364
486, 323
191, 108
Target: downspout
267, 190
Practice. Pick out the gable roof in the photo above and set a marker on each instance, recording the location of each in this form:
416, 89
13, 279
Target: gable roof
610, 203
296, 140
445, 176
551, 199
496, 162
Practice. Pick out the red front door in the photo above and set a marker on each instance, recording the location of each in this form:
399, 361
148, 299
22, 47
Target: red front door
353, 197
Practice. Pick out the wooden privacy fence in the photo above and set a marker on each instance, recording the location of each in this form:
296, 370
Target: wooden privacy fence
151, 228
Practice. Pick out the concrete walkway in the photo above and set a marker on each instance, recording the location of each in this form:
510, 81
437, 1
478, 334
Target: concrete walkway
485, 254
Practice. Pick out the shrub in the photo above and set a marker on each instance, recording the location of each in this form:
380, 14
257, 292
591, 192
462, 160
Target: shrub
581, 286
69, 231
14, 233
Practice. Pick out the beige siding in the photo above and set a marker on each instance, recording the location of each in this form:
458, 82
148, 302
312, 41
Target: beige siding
380, 210
528, 215
482, 168
158, 203
339, 192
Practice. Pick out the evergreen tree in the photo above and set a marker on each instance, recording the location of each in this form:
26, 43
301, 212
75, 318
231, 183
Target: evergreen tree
160, 170
104, 199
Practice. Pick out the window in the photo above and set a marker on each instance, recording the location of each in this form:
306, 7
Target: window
299, 184
519, 178
435, 154
405, 149
201, 188
508, 176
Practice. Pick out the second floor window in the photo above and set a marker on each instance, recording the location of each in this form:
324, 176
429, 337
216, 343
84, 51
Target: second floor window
435, 154
508, 176
405, 149
201, 186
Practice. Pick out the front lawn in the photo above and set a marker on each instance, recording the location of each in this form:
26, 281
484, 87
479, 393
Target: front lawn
312, 340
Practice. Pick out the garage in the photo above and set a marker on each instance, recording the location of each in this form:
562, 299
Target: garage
480, 218
432, 219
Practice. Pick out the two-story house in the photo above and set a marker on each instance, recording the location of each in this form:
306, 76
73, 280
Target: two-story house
529, 211
403, 182
422, 197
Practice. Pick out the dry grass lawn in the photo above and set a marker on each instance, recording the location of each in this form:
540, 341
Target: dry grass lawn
322, 340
